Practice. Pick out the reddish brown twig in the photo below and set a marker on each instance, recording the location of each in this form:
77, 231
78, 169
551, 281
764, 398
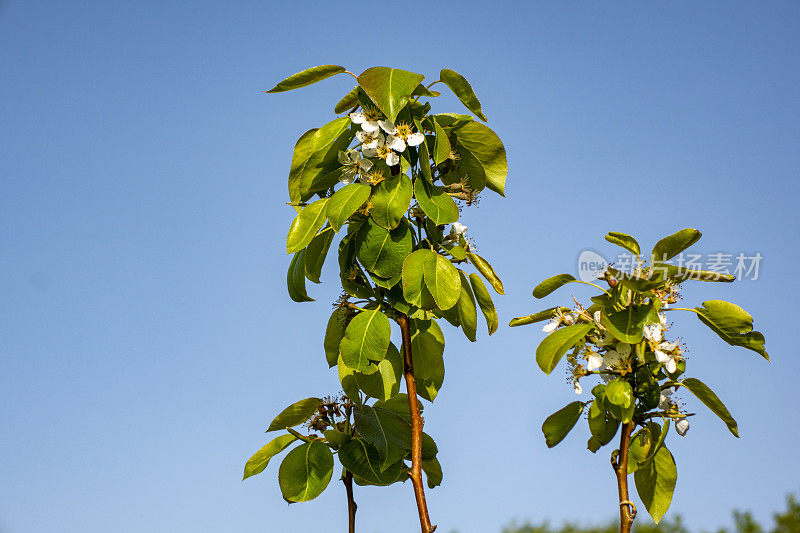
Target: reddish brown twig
627, 512
351, 502
416, 426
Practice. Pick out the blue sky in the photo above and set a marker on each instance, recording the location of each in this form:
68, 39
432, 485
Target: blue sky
146, 337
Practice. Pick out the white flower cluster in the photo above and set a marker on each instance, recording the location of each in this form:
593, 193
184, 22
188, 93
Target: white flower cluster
377, 138
608, 357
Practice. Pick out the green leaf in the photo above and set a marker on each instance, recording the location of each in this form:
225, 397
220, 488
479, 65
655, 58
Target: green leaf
382, 252
555, 345
662, 435
669, 247
484, 302
436, 203
306, 225
441, 148
547, 314
259, 461
486, 147
307, 77
334, 332
317, 153
421, 90
387, 431
560, 423
295, 414
602, 425
655, 483
389, 88
390, 201
619, 399
365, 341
296, 278
336, 437
681, 274
363, 460
466, 309
414, 290
345, 202
433, 472
427, 349
627, 325
384, 383
305, 472
712, 401
486, 271
316, 252
442, 280
551, 284
733, 324
348, 101
463, 90
347, 377
386, 283
624, 240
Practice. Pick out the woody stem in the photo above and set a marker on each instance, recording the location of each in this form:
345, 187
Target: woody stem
416, 426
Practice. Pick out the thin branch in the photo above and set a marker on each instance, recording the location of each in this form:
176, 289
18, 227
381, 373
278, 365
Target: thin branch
416, 426
627, 511
348, 72
351, 502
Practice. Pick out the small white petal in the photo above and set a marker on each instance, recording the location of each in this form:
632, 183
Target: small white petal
570, 319
550, 326
366, 164
369, 152
392, 159
357, 118
396, 143
663, 402
347, 180
623, 349
388, 126
597, 317
577, 385
343, 157
663, 319
369, 126
661, 357
594, 361
458, 228
611, 358
672, 365
415, 139
682, 426
362, 136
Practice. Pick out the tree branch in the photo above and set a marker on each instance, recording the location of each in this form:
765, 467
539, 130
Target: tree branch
351, 503
416, 426
627, 511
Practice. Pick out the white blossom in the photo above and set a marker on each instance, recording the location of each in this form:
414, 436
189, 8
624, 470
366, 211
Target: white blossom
370, 139
577, 386
653, 332
664, 399
379, 147
552, 325
594, 361
400, 135
367, 124
667, 353
355, 167
682, 426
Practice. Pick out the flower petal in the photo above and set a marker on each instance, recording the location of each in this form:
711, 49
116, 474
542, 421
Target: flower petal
396, 143
392, 159
357, 118
682, 426
370, 152
388, 126
366, 164
369, 126
415, 139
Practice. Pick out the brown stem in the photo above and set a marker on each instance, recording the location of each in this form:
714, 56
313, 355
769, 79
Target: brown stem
416, 427
627, 512
351, 503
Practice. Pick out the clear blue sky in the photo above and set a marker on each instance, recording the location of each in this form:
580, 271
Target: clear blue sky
146, 337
